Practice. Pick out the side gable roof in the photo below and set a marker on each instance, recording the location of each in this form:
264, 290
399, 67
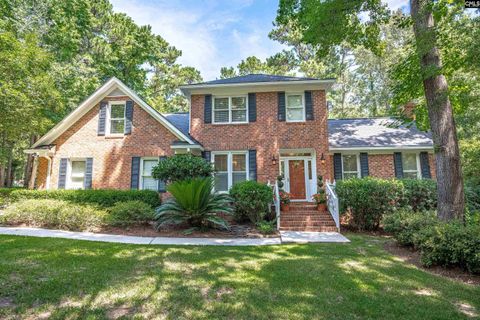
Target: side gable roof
257, 77
94, 99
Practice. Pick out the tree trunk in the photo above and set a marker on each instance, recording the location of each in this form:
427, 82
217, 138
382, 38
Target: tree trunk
29, 164
451, 201
2, 176
8, 180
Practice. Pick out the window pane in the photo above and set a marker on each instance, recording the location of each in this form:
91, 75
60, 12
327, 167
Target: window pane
221, 116
239, 177
239, 162
148, 166
239, 103
350, 163
220, 162
409, 161
221, 181
117, 111
149, 183
221, 104
76, 183
295, 114
239, 115
78, 168
310, 177
411, 175
350, 175
294, 101
117, 126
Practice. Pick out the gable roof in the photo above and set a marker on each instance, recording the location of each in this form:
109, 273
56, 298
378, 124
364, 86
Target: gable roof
256, 77
376, 133
94, 99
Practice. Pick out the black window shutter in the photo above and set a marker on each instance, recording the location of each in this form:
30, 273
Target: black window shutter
88, 173
208, 109
102, 115
207, 155
252, 165
337, 166
425, 165
281, 106
398, 164
252, 107
135, 175
308, 105
62, 175
128, 116
364, 164
162, 186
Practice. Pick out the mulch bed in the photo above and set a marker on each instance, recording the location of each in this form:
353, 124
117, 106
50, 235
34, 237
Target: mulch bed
413, 257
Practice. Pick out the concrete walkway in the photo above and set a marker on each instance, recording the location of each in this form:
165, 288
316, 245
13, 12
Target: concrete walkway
286, 236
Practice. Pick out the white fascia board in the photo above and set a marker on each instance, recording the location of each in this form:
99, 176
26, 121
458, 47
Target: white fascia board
389, 148
187, 146
93, 100
257, 86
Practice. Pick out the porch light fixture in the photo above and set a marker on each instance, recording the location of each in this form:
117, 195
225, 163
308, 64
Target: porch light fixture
274, 160
322, 159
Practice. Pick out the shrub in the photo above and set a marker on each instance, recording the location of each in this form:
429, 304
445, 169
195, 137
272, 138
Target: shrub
405, 224
101, 197
266, 227
419, 195
368, 199
53, 214
252, 200
450, 244
195, 204
130, 213
182, 167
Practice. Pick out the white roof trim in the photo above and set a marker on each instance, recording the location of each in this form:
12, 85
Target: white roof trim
367, 148
94, 99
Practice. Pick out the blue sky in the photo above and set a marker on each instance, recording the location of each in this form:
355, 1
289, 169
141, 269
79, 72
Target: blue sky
213, 33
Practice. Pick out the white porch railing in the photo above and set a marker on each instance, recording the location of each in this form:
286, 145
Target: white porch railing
277, 204
332, 203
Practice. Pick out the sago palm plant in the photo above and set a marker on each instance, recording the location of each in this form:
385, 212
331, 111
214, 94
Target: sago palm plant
195, 204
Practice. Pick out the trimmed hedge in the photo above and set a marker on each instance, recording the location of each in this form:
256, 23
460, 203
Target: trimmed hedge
100, 197
51, 213
130, 213
252, 200
419, 195
368, 199
443, 244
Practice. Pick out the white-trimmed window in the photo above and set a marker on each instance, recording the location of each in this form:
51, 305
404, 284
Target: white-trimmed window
295, 107
147, 182
116, 117
77, 174
411, 165
230, 109
350, 166
229, 168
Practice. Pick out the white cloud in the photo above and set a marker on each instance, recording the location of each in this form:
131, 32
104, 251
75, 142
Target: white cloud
397, 4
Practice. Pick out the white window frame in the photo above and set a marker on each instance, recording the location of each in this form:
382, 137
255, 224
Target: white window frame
140, 187
357, 156
69, 173
230, 165
417, 158
303, 106
109, 118
230, 111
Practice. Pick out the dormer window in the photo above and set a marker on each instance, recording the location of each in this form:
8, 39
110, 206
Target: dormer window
117, 117
230, 109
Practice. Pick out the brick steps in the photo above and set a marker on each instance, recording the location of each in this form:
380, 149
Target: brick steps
305, 217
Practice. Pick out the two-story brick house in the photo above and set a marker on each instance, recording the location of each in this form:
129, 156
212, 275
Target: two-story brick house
249, 127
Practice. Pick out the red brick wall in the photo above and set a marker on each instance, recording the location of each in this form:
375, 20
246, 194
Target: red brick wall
267, 135
381, 166
112, 156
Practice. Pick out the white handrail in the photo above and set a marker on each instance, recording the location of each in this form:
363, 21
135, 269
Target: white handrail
332, 203
277, 204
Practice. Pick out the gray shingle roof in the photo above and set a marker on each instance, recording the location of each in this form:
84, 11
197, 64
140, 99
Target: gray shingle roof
376, 133
179, 120
249, 78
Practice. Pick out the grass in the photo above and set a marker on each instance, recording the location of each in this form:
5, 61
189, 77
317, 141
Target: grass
66, 279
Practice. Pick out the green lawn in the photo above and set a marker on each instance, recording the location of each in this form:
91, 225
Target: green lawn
59, 279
